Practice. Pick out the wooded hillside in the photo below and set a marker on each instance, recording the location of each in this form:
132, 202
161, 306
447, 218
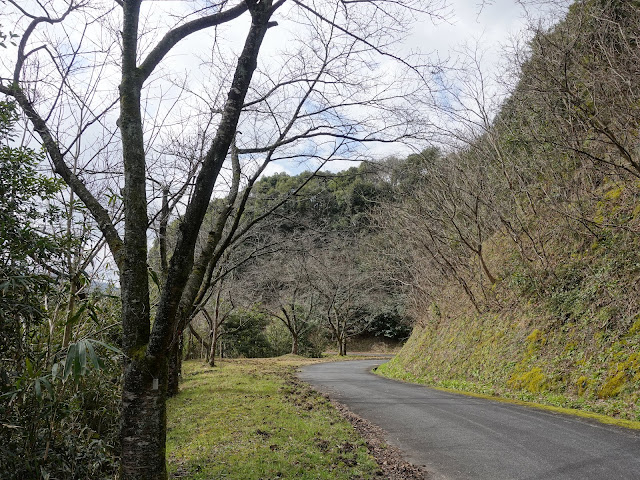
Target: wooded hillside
522, 247
303, 280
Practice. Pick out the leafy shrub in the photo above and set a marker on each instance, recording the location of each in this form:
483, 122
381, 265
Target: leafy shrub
60, 425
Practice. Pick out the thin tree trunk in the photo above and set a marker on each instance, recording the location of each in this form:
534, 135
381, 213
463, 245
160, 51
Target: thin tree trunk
164, 221
485, 268
180, 352
71, 306
214, 341
212, 353
214, 323
201, 341
294, 344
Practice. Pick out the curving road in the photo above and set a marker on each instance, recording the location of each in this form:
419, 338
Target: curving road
458, 437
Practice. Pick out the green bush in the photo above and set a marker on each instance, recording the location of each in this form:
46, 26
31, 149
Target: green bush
55, 428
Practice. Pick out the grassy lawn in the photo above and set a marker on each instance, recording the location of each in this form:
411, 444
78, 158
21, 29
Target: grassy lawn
251, 419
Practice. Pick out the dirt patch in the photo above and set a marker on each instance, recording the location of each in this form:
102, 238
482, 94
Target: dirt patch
389, 458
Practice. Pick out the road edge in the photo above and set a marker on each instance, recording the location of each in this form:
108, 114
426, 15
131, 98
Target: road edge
389, 458
592, 417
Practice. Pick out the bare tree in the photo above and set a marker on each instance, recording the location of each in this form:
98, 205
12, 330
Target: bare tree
285, 294
326, 98
579, 78
344, 290
216, 321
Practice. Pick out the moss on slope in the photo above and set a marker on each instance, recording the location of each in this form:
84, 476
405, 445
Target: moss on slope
567, 335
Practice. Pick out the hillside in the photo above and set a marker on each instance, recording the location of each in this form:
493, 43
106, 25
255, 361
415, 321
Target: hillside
570, 338
524, 244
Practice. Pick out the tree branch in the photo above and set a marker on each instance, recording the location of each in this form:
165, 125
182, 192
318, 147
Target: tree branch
174, 36
61, 168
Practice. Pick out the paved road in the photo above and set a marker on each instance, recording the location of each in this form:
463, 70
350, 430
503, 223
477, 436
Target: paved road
459, 437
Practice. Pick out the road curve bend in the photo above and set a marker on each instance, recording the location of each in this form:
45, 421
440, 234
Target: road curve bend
465, 438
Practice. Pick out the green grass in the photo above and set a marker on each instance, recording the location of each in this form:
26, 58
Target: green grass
251, 419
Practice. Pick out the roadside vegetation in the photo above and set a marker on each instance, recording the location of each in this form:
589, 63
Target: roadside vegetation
252, 419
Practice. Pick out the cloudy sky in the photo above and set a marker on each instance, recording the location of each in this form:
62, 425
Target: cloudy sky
490, 24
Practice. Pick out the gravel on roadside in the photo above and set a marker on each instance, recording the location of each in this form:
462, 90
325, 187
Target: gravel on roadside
389, 458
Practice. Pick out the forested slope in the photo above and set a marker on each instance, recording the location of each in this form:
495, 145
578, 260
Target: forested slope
300, 279
522, 247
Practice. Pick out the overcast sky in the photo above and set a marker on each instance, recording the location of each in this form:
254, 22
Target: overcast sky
490, 25
489, 22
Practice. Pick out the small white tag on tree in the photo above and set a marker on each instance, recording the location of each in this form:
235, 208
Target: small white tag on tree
155, 383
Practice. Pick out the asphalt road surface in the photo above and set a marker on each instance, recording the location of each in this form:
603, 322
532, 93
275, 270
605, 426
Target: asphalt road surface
460, 437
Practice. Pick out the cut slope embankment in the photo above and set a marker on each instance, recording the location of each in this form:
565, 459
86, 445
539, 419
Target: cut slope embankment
495, 355
567, 335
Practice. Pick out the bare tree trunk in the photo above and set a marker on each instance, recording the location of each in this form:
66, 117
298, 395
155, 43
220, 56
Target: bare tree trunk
294, 343
485, 268
214, 341
71, 306
201, 341
212, 355
180, 353
143, 417
342, 347
175, 368
143, 424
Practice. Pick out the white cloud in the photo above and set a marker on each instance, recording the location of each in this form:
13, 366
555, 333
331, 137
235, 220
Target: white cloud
275, 167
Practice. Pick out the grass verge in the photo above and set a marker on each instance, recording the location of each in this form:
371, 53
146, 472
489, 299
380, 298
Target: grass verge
251, 419
388, 370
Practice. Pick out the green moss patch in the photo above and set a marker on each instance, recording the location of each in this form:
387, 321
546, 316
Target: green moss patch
575, 366
390, 371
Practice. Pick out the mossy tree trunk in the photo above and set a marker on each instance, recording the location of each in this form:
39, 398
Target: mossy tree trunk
143, 420
143, 426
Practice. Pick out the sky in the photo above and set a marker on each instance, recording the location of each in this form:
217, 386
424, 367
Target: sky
489, 24
469, 22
